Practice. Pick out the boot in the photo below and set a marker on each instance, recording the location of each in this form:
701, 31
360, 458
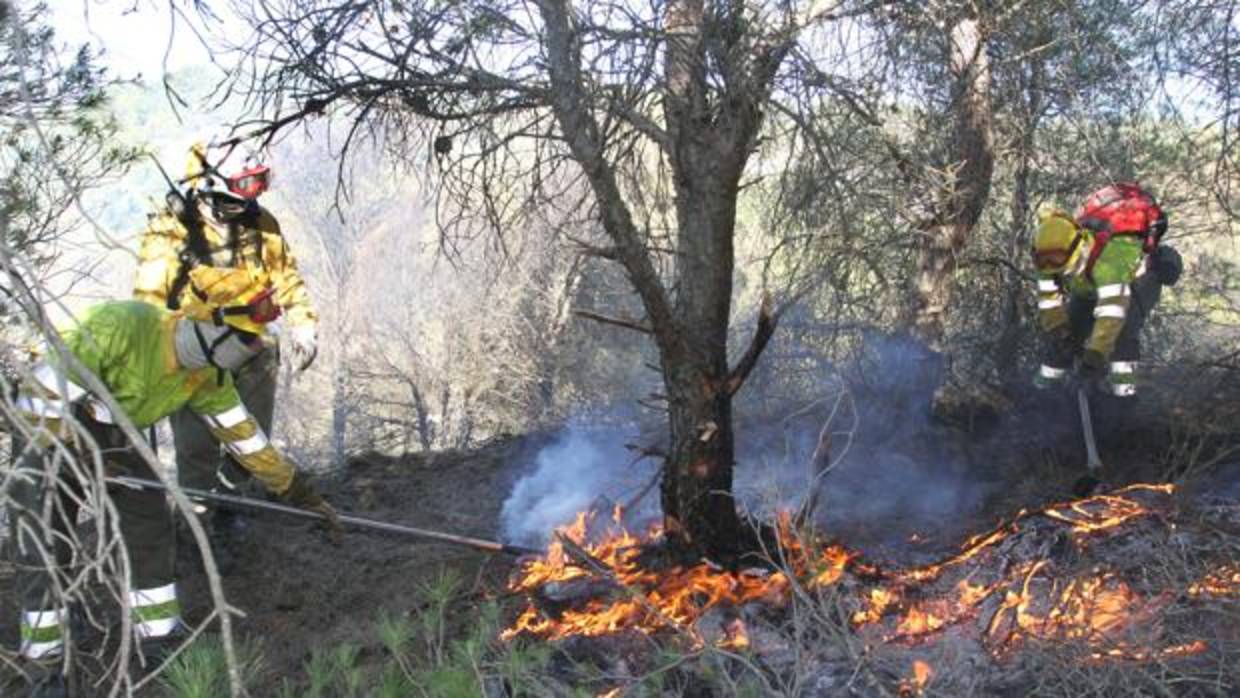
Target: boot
156, 650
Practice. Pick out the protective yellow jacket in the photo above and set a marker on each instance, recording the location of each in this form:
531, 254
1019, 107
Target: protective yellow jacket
1110, 285
260, 245
130, 347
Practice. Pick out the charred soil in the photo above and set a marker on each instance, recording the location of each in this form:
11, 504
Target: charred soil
301, 593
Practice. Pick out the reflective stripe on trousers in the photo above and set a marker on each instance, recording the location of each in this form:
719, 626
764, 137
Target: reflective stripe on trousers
156, 612
42, 633
1051, 373
1122, 378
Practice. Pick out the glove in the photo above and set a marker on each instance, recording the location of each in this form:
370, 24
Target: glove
1167, 265
304, 345
302, 494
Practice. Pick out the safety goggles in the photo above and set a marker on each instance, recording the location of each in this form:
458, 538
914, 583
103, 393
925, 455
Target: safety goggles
250, 182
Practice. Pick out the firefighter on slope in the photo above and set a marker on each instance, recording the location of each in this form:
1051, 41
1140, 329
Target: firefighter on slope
154, 362
1099, 275
220, 224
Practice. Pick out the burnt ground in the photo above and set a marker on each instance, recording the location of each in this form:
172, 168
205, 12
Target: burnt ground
301, 592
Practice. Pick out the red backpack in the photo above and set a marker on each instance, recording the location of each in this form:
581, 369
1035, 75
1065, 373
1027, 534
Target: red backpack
1123, 208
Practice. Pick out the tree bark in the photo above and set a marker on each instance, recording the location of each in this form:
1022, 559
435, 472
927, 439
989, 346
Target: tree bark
967, 181
707, 143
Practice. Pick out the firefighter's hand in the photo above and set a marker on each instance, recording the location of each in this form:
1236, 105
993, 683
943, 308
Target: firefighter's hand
1167, 265
302, 494
303, 344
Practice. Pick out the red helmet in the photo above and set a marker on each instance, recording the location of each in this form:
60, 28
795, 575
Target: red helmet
253, 179
249, 182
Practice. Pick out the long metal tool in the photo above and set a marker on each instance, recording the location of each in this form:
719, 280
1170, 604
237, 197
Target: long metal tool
347, 519
1087, 426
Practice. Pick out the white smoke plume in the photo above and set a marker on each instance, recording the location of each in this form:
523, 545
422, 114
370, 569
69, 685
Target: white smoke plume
585, 466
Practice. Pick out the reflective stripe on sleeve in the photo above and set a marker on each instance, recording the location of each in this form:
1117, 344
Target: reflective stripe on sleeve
245, 447
1123, 366
1113, 291
1050, 303
1123, 389
230, 418
1111, 311
1047, 285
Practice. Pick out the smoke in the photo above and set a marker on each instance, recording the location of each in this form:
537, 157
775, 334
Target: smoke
895, 473
584, 467
905, 474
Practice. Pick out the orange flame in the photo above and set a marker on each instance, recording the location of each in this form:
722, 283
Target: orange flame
915, 685
1224, 582
1029, 601
736, 635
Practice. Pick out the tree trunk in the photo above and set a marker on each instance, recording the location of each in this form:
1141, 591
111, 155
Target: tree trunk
707, 155
967, 182
707, 143
698, 507
697, 497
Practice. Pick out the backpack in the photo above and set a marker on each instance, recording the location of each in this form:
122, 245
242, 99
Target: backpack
1122, 208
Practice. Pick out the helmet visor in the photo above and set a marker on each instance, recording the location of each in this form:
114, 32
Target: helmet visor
250, 182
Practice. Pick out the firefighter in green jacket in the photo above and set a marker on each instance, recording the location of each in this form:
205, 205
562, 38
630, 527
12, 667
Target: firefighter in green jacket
1099, 274
153, 362
224, 226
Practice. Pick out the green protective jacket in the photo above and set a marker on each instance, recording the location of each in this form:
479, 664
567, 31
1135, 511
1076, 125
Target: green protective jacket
1108, 287
130, 347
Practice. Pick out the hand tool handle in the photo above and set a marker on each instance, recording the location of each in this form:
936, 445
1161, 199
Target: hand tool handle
1087, 425
248, 503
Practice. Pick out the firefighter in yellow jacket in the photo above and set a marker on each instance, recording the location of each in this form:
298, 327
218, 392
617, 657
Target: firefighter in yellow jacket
153, 362
1100, 274
219, 223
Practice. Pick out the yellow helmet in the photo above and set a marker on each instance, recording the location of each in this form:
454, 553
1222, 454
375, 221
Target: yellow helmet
1057, 244
240, 298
